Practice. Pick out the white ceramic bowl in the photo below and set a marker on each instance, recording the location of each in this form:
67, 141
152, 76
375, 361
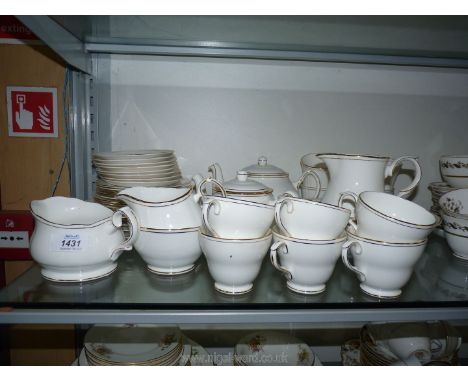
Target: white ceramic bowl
385, 217
169, 252
75, 240
454, 170
231, 218
234, 263
305, 219
382, 267
306, 264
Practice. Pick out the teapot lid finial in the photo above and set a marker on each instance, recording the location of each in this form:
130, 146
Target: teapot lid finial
262, 161
242, 175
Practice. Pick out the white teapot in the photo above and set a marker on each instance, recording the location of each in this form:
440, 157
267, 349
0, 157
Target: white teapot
270, 176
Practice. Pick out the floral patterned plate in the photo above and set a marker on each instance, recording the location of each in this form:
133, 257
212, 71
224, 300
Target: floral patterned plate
272, 349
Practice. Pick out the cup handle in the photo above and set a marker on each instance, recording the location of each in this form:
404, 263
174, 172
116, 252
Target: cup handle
344, 257
127, 245
349, 195
274, 258
417, 177
314, 175
205, 210
278, 206
210, 180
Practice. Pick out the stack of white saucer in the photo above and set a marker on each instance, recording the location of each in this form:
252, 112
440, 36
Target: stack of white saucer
117, 170
140, 345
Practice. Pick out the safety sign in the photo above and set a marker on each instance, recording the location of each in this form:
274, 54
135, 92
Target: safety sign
32, 111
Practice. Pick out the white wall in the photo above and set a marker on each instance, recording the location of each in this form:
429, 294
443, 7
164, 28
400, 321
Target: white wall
232, 111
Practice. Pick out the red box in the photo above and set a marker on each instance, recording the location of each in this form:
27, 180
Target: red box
11, 222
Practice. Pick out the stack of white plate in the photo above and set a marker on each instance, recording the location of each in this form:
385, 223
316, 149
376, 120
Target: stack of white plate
272, 349
437, 190
141, 345
118, 170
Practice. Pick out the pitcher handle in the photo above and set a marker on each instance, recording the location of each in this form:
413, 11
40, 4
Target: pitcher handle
127, 245
274, 258
278, 206
205, 210
344, 257
417, 176
349, 195
314, 175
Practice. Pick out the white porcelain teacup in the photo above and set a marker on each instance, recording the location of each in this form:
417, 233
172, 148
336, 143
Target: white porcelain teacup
383, 268
454, 170
234, 263
306, 264
306, 219
407, 347
454, 210
381, 216
232, 218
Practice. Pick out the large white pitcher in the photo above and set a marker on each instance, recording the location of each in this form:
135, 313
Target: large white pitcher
358, 173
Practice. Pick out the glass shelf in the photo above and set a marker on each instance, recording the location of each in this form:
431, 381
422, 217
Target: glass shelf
439, 41
438, 289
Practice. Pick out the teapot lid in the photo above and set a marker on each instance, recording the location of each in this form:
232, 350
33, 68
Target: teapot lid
262, 168
243, 185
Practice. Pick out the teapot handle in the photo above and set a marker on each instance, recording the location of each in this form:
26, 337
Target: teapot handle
314, 175
127, 245
417, 176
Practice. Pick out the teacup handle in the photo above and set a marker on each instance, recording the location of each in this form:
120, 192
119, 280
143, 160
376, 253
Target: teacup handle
278, 206
127, 245
349, 195
417, 176
344, 257
210, 180
314, 175
274, 258
205, 210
